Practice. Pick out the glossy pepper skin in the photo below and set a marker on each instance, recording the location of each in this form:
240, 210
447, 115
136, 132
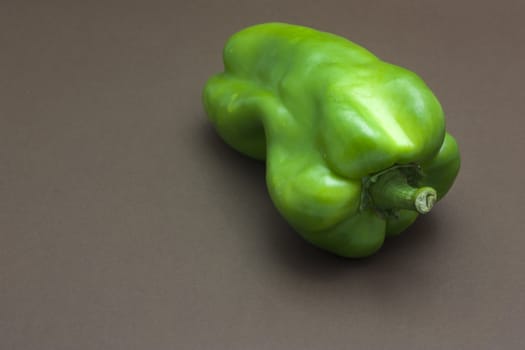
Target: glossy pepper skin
355, 147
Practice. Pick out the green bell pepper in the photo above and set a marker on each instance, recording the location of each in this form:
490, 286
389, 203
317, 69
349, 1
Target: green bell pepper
355, 147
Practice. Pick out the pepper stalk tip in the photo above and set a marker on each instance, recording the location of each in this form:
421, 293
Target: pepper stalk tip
425, 199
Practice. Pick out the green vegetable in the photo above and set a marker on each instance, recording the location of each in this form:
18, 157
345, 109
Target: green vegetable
355, 147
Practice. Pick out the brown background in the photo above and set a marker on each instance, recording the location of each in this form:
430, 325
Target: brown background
126, 223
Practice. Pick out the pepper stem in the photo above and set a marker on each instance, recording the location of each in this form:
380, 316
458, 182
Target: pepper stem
391, 191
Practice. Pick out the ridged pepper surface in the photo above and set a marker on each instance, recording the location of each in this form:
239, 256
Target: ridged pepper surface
355, 148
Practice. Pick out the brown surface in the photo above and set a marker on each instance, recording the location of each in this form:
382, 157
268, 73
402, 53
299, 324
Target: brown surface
126, 223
